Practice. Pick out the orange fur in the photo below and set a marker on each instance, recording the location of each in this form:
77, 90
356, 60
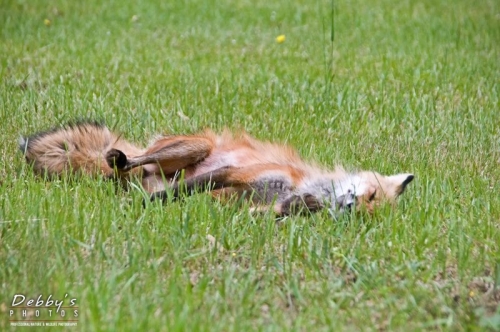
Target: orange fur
75, 148
226, 163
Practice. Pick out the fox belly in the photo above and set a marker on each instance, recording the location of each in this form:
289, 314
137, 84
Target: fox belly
270, 187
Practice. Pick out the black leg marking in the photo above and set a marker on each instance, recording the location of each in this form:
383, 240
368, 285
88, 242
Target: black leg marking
116, 158
204, 182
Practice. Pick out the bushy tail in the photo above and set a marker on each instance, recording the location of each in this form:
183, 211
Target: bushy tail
75, 148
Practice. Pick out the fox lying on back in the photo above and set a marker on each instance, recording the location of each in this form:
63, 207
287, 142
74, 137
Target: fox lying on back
272, 176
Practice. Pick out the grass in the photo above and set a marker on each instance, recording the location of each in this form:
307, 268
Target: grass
404, 87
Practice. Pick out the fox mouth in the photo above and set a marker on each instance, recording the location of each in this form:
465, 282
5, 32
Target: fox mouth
345, 202
342, 205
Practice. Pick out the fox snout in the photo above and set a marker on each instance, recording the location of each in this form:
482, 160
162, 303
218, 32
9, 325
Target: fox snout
346, 202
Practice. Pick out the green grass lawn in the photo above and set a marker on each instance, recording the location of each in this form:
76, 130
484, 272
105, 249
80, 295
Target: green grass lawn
405, 86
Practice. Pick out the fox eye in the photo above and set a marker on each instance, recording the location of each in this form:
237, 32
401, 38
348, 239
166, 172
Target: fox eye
372, 196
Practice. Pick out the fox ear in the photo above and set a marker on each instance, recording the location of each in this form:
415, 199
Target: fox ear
400, 181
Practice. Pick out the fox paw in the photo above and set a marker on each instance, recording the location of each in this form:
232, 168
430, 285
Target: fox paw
116, 158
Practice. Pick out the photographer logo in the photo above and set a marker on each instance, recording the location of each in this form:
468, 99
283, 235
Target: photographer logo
43, 311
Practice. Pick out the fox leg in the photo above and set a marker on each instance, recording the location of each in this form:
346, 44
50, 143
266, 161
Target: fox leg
209, 181
170, 153
277, 185
293, 205
296, 204
263, 209
264, 180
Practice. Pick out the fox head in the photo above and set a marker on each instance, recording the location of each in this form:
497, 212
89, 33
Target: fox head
366, 190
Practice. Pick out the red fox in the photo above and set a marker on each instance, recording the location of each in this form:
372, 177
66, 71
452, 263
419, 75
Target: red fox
272, 176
